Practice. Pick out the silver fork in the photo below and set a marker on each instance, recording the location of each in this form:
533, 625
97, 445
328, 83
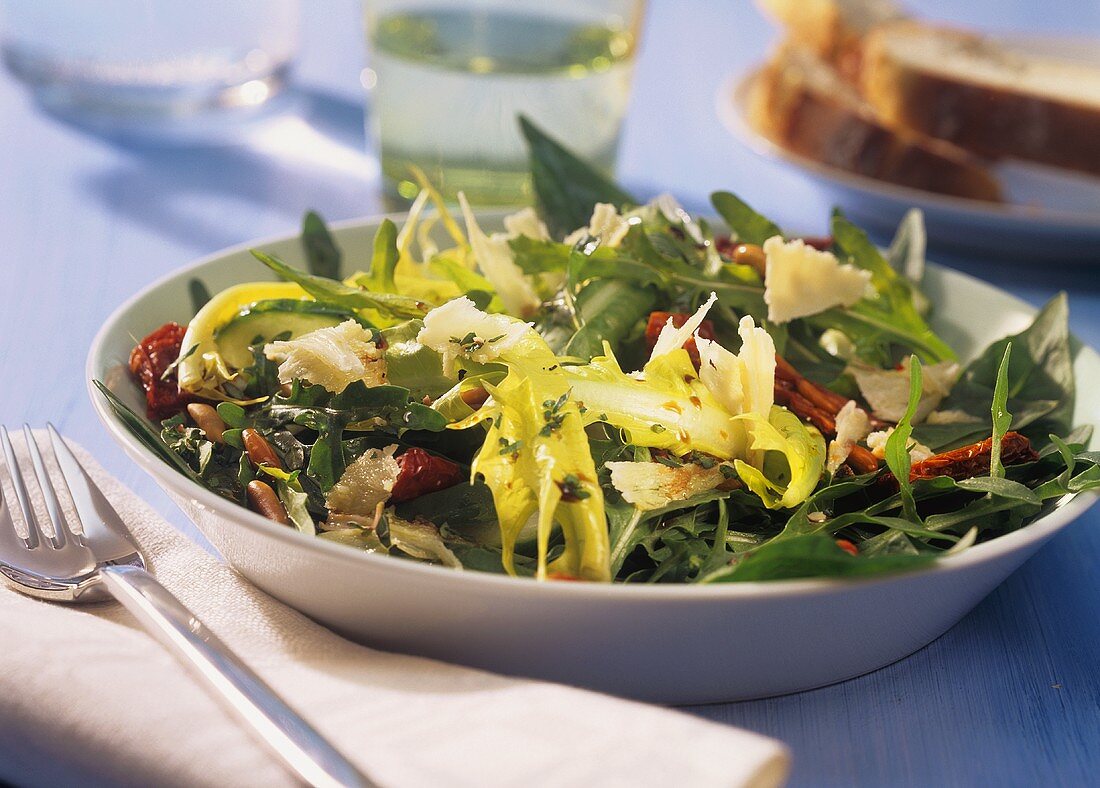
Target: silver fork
105, 562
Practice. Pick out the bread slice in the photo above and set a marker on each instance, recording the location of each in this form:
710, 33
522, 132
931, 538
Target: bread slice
982, 96
832, 29
801, 103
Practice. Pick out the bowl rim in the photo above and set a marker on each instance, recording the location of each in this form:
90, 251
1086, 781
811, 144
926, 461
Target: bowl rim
730, 102
172, 481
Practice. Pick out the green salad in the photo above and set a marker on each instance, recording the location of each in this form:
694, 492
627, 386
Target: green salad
609, 389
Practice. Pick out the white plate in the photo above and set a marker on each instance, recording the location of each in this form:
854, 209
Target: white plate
676, 644
1050, 214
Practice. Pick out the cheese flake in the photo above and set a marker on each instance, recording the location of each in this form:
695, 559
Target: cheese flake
365, 483
333, 357
651, 485
672, 338
801, 281
459, 329
742, 382
852, 425
887, 390
876, 442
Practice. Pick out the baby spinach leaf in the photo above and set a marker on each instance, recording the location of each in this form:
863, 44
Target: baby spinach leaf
567, 188
1040, 384
323, 256
333, 292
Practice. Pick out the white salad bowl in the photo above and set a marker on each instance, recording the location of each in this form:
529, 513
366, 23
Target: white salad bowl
674, 644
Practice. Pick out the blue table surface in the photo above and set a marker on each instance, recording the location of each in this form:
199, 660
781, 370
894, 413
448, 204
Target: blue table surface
1010, 696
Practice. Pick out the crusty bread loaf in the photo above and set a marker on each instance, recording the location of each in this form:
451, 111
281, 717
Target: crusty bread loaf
801, 103
983, 96
832, 29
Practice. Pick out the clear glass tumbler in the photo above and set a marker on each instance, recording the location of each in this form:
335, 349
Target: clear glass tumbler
149, 57
448, 81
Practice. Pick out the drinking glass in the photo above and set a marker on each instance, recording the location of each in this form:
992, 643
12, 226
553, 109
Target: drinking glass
448, 81
149, 57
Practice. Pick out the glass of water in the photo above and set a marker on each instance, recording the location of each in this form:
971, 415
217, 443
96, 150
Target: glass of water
149, 58
449, 80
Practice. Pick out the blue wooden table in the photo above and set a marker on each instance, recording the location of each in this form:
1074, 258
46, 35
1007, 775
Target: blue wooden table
1010, 696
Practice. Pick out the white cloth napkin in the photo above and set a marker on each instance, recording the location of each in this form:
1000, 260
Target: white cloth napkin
85, 692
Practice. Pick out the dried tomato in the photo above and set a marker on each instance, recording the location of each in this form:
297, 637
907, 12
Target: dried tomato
657, 321
968, 461
847, 546
821, 242
421, 473
149, 361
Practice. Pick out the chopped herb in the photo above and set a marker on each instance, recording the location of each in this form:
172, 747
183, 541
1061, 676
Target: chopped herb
572, 489
552, 415
472, 342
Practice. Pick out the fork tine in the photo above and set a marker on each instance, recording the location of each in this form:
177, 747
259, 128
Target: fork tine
61, 530
33, 538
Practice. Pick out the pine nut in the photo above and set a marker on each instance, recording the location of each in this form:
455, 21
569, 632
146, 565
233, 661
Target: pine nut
475, 397
208, 420
259, 450
750, 254
264, 500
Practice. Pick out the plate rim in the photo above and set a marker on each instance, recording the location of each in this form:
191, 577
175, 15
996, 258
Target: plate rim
1036, 532
730, 100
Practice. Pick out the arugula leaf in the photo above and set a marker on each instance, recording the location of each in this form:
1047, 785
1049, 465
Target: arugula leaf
745, 223
1002, 419
323, 256
745, 293
891, 317
145, 433
199, 294
383, 260
567, 188
333, 292
609, 310
813, 555
386, 408
630, 526
1041, 386
897, 445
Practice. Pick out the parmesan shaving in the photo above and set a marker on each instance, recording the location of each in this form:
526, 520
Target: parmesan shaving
801, 281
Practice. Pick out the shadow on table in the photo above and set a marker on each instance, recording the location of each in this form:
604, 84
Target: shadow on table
307, 150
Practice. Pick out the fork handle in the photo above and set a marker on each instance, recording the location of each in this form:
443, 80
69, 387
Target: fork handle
293, 740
